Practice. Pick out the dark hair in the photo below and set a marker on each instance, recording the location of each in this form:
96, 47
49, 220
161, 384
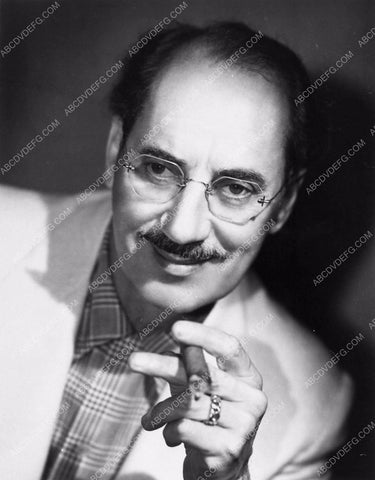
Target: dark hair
273, 60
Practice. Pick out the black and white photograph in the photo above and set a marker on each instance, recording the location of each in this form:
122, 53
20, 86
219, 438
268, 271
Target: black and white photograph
187, 253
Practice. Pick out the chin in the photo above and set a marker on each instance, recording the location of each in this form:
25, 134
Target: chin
184, 297
179, 297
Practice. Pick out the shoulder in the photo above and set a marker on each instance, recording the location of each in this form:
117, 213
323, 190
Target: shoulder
309, 394
14, 199
317, 389
299, 352
28, 217
33, 206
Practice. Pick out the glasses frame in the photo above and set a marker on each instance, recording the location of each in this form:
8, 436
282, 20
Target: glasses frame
263, 201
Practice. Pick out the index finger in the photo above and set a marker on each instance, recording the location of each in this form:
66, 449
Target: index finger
227, 349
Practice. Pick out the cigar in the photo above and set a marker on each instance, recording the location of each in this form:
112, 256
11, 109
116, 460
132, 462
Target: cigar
196, 370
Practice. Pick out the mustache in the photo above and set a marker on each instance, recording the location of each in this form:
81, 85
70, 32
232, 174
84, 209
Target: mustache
195, 251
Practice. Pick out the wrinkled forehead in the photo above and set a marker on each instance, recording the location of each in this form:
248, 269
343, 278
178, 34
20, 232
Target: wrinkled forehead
200, 107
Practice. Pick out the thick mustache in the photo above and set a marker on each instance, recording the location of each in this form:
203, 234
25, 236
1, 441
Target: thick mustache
192, 251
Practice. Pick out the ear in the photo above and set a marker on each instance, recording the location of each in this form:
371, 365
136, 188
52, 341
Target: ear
283, 211
113, 148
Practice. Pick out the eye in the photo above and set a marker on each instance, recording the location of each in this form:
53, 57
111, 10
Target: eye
237, 188
156, 168
235, 192
156, 171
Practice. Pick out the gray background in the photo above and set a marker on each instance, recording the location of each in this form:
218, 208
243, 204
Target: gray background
73, 47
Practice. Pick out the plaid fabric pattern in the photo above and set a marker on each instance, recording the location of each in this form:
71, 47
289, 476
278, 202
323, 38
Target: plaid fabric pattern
103, 401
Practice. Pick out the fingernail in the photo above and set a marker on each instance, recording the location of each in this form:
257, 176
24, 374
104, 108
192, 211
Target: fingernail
145, 420
136, 361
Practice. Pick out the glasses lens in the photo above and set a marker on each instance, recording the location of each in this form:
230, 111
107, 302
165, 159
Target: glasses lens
155, 179
235, 200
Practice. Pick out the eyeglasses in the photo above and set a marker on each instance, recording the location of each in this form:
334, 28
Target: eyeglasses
230, 199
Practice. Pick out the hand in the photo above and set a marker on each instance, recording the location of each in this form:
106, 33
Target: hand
223, 450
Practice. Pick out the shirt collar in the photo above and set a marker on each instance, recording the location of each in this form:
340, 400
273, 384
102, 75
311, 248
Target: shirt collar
104, 319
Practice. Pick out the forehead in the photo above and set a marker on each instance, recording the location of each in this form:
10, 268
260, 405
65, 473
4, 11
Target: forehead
201, 115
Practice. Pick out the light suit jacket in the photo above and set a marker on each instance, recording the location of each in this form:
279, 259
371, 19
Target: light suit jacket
48, 246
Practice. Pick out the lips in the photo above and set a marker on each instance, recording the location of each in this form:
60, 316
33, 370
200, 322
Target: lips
177, 259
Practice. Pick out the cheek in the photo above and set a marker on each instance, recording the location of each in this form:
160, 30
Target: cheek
124, 216
129, 214
241, 258
245, 239
243, 244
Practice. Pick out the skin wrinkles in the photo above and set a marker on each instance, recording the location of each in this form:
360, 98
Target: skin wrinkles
245, 174
203, 135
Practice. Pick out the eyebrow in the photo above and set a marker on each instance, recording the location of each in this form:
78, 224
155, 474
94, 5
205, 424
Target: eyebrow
163, 154
244, 174
239, 173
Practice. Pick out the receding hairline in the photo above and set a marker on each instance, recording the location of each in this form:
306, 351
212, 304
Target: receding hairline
201, 51
202, 54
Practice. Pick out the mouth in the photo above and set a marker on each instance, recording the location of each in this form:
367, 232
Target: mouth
177, 259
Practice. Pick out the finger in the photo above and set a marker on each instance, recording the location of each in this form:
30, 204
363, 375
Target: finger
163, 366
172, 370
226, 348
186, 406
244, 395
205, 438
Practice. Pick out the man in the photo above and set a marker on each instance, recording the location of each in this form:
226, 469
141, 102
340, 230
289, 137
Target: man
204, 158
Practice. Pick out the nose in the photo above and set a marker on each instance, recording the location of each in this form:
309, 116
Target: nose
189, 220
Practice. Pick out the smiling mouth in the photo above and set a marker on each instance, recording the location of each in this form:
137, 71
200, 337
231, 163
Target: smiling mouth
177, 259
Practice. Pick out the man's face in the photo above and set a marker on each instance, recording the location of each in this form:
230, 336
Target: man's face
237, 122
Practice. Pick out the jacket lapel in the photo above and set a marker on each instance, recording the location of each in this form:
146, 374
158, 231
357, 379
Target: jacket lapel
41, 300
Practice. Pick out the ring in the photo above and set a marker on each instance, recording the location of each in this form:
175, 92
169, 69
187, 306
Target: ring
215, 410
